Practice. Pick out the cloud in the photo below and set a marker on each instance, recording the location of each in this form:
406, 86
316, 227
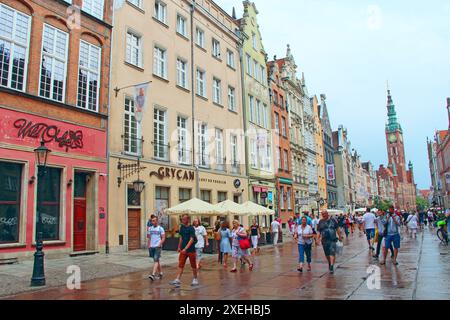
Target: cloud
375, 17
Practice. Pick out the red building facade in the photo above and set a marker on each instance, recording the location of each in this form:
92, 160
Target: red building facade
285, 205
54, 77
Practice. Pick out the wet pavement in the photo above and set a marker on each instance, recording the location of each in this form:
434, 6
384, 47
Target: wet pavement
423, 273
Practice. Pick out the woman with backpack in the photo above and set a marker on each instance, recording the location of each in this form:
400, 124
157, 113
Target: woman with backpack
240, 246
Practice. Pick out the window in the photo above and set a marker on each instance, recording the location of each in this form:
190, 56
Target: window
231, 99
54, 63
160, 135
10, 192
217, 91
162, 195
283, 127
159, 62
258, 112
265, 116
182, 73
256, 69
89, 76
181, 25
222, 196
278, 155
201, 83
160, 11
285, 160
254, 42
277, 123
137, 3
275, 97
131, 128
134, 49
183, 154
205, 195
216, 48
134, 198
200, 37
289, 198
220, 161
234, 150
184, 195
230, 59
48, 209
253, 154
248, 60
93, 7
268, 157
251, 108
263, 74
282, 207
203, 158
14, 39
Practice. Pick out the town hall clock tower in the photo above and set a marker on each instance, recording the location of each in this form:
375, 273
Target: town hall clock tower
395, 143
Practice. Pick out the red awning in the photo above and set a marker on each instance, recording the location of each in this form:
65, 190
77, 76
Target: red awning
256, 189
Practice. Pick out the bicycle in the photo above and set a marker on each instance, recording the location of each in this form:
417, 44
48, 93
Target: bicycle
441, 233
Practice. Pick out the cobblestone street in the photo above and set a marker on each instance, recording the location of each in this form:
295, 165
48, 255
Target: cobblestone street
423, 273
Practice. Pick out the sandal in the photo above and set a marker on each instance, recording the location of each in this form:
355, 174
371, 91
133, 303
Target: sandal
250, 267
233, 270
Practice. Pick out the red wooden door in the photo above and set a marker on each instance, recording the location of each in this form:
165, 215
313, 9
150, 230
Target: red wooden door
134, 229
79, 225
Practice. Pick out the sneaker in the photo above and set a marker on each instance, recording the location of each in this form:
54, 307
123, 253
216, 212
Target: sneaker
160, 276
152, 277
194, 283
375, 257
331, 269
175, 283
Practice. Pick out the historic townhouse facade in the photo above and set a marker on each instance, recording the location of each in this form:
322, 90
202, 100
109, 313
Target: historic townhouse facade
257, 115
189, 140
54, 75
344, 171
294, 100
328, 150
371, 180
282, 149
320, 156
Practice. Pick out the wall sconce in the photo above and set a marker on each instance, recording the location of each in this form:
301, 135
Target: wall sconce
32, 179
69, 183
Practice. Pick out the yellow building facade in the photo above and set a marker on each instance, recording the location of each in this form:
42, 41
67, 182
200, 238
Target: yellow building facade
189, 142
320, 158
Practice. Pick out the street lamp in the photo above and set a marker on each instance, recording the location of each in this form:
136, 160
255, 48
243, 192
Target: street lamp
138, 186
38, 277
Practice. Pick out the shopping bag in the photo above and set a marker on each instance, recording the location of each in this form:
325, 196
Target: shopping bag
244, 244
339, 248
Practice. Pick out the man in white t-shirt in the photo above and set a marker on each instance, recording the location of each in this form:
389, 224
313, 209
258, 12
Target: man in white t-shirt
276, 229
202, 240
156, 237
369, 219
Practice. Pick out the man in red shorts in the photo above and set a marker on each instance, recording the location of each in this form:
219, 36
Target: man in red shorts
186, 248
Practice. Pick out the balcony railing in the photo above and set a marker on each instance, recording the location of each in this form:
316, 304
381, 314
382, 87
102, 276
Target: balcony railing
203, 160
161, 152
236, 168
221, 164
184, 156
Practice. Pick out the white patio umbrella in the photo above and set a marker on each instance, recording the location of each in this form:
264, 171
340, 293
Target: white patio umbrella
359, 210
195, 207
232, 208
333, 212
254, 209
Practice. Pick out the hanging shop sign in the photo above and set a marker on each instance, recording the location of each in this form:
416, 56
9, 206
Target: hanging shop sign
173, 173
68, 139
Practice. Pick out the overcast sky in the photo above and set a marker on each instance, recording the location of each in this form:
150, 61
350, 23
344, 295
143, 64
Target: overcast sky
348, 49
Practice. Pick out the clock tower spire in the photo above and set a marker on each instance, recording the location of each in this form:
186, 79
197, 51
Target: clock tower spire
394, 140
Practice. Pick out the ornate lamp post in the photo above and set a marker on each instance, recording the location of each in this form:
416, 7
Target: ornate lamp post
38, 278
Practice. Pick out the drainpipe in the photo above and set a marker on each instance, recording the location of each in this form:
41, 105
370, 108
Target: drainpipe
108, 158
197, 178
244, 110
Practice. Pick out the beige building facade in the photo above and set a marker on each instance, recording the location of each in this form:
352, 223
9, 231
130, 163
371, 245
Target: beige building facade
189, 142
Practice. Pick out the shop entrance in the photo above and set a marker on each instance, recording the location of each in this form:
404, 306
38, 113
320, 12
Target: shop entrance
134, 229
83, 212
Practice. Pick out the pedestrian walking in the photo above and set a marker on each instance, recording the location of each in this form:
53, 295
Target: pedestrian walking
225, 245
304, 236
156, 237
392, 223
291, 226
202, 241
238, 233
275, 227
369, 227
217, 239
329, 234
381, 235
359, 222
412, 222
186, 248
314, 225
255, 234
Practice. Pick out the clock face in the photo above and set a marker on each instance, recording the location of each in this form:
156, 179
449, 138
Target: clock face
392, 138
